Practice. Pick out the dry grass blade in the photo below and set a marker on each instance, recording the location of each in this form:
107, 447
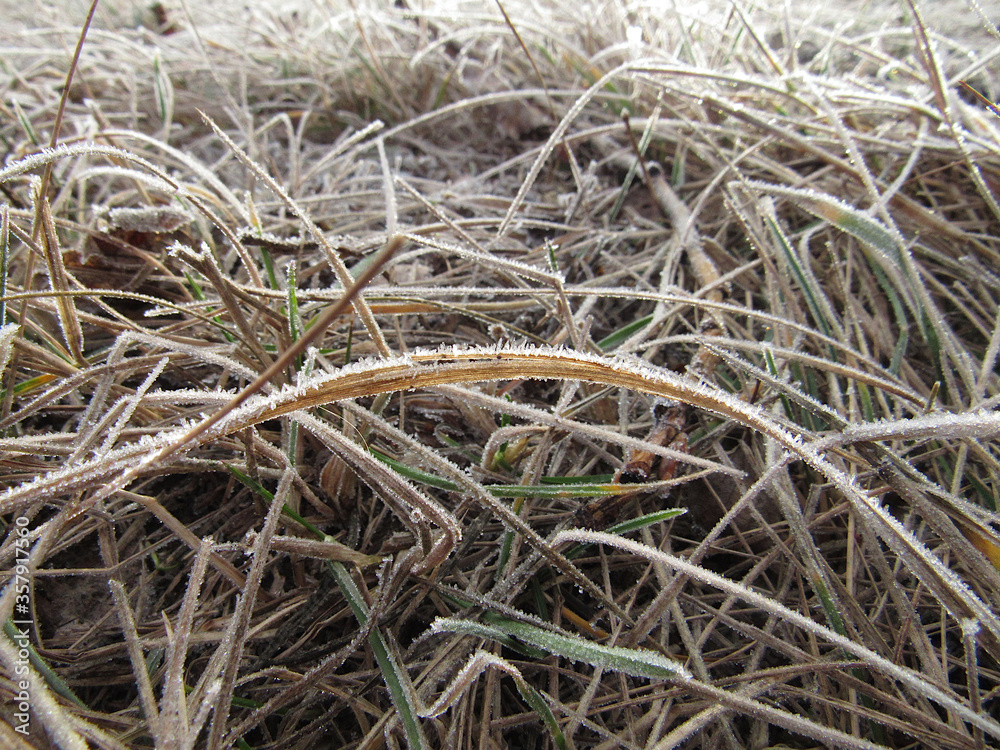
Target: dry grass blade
224, 670
914, 681
177, 727
68, 321
57, 723
127, 619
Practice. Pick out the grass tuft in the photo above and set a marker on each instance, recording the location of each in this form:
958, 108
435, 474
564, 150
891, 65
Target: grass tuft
505, 375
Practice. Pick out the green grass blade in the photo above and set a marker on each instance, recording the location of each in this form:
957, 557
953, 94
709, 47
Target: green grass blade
268, 259
632, 524
804, 280
292, 302
52, 679
262, 491
596, 478
561, 487
396, 679
540, 707
615, 338
632, 661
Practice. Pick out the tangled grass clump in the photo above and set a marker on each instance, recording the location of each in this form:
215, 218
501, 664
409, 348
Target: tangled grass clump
514, 377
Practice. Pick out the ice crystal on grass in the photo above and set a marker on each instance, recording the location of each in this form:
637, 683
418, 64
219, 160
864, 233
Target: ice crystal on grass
981, 425
129, 405
8, 331
911, 679
635, 662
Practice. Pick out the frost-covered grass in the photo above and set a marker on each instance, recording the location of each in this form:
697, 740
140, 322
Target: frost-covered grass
326, 332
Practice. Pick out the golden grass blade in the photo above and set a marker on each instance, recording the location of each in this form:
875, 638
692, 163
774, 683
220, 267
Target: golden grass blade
58, 282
